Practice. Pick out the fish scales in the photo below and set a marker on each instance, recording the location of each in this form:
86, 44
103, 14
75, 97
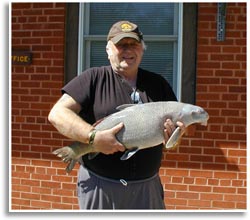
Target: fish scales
144, 121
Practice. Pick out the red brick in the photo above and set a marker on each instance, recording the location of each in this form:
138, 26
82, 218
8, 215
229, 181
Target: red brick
191, 165
211, 49
211, 196
43, 5
60, 206
213, 166
199, 203
41, 204
195, 188
209, 65
225, 205
214, 135
201, 173
20, 201
225, 175
238, 153
231, 49
213, 182
51, 198
202, 158
224, 190
224, 57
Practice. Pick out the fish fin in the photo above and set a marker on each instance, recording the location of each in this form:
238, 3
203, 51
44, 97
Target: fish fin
174, 139
98, 121
71, 165
91, 156
129, 153
122, 107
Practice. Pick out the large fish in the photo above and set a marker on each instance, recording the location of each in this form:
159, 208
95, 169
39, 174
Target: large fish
143, 128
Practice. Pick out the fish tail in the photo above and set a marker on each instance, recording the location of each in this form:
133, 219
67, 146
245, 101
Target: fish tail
70, 166
71, 154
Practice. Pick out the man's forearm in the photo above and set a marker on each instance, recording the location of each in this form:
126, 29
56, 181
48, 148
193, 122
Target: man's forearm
66, 120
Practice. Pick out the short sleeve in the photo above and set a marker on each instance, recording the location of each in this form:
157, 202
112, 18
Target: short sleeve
80, 87
168, 92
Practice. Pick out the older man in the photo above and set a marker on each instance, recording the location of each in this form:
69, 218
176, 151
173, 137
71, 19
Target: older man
106, 182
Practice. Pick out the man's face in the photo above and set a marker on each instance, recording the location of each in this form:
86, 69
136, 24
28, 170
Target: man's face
126, 55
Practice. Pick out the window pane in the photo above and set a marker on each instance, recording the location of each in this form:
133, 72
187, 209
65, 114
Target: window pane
98, 55
152, 18
158, 58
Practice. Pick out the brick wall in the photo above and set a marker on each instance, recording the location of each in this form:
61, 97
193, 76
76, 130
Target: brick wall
208, 170
38, 179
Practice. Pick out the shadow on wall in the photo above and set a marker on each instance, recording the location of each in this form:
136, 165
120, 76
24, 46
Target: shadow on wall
196, 153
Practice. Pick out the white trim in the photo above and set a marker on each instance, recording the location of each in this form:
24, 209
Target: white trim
179, 57
80, 39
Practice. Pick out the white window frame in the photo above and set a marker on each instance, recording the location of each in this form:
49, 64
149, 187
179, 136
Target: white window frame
85, 39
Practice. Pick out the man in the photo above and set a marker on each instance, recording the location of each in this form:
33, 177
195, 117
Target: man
106, 182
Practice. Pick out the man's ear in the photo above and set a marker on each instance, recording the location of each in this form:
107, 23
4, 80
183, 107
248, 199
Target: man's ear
108, 50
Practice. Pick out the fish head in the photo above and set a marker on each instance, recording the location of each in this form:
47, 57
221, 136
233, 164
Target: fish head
195, 114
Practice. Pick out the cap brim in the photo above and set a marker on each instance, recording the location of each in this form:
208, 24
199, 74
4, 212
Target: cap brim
119, 37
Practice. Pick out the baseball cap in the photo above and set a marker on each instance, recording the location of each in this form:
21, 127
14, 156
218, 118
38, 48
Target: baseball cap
122, 29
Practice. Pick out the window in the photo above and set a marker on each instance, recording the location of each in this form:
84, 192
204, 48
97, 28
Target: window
161, 27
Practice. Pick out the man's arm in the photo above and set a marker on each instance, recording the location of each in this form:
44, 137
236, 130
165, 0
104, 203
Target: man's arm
64, 116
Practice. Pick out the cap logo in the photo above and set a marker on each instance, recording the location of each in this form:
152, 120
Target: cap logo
126, 27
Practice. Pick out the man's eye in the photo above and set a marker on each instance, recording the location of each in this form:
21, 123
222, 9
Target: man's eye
127, 45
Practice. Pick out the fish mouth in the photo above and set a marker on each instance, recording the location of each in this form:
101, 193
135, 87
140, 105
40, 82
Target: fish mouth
205, 119
204, 123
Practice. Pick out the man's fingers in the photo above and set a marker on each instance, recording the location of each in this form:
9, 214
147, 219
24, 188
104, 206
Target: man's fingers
181, 125
169, 128
117, 128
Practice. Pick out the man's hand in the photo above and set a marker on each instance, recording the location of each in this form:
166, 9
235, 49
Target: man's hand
106, 142
169, 128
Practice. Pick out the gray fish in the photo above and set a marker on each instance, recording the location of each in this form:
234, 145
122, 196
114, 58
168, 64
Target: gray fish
143, 128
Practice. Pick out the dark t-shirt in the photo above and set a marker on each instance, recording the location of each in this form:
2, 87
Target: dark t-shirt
99, 91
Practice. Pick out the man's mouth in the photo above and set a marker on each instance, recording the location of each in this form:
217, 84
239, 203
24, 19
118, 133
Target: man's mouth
128, 58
